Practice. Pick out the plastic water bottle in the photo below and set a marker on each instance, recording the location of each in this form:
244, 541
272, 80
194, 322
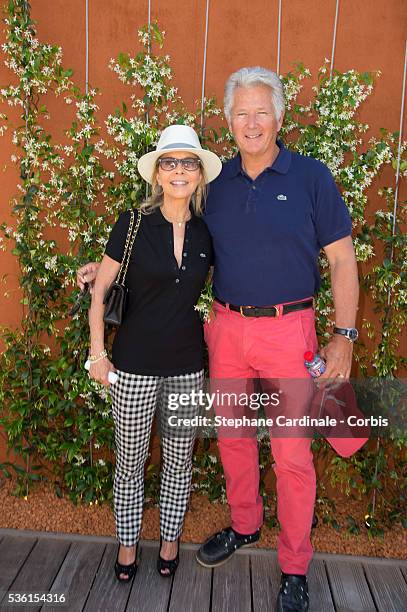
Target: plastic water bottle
314, 364
111, 377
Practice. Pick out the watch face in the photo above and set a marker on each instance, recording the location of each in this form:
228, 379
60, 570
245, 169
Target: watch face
349, 332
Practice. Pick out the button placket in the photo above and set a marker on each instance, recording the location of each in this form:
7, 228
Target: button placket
184, 252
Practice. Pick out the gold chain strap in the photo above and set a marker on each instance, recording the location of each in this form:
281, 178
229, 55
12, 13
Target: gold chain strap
128, 246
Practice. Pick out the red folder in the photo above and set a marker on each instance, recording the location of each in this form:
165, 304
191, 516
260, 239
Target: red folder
339, 403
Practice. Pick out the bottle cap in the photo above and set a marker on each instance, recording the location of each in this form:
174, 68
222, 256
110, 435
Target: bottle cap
309, 356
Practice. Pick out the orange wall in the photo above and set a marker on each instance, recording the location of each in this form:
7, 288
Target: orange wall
371, 36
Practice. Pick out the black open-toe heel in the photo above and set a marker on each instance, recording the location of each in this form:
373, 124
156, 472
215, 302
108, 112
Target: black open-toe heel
129, 570
167, 564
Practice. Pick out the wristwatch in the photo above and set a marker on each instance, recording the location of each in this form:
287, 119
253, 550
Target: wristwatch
351, 333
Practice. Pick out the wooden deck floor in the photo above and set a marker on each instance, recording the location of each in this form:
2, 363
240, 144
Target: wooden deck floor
82, 569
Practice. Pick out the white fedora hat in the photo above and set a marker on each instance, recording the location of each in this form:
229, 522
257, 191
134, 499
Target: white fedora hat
179, 138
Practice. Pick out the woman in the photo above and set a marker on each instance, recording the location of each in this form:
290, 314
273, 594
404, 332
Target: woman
157, 350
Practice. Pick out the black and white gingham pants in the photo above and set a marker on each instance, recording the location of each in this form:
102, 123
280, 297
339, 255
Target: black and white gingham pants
135, 399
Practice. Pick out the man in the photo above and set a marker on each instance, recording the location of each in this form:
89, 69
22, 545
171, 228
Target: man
269, 213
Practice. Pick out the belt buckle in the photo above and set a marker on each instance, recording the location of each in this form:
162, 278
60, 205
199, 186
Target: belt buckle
276, 308
241, 310
243, 315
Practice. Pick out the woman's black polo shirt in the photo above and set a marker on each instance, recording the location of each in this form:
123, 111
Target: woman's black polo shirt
161, 334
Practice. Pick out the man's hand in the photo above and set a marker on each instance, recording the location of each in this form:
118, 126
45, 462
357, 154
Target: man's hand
345, 290
87, 274
338, 356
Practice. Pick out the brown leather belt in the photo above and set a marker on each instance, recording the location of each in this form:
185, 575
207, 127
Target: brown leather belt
268, 311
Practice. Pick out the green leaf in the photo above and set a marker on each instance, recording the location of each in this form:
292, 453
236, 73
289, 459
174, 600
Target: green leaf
123, 60
88, 150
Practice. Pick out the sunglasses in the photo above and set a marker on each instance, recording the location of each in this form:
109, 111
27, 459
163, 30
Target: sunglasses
170, 163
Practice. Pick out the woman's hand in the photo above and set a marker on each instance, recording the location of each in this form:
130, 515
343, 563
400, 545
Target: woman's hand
99, 371
87, 274
107, 272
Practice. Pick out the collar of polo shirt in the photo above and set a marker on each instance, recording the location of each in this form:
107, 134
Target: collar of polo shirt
281, 164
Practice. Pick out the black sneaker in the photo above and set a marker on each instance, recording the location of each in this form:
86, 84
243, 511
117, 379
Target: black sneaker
218, 548
293, 595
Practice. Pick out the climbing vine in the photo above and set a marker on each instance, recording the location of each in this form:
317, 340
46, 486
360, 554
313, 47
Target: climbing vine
67, 197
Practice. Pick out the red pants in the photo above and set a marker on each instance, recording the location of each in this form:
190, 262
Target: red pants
267, 348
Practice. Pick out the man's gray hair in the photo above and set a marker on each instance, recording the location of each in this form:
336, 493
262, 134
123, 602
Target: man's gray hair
250, 77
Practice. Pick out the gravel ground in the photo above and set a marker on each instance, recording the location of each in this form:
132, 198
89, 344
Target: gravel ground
44, 511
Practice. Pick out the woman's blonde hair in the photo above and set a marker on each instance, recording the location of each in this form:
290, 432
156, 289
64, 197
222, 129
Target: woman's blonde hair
156, 198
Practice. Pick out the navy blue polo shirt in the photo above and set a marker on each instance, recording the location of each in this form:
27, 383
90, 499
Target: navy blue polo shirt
267, 233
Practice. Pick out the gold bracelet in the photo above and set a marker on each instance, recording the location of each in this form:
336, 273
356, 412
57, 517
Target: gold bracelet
93, 358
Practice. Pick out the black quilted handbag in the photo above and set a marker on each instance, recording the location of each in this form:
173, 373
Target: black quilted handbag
116, 296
